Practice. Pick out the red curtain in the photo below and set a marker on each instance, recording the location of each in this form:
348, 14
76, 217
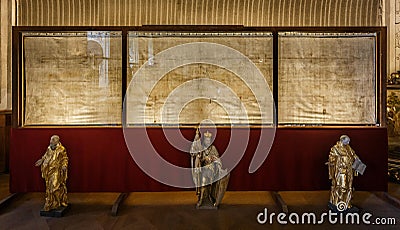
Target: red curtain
99, 160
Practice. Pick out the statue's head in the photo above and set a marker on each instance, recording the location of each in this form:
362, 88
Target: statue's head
345, 140
54, 141
207, 141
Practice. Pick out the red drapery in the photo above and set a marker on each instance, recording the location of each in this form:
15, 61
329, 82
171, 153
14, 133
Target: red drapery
101, 162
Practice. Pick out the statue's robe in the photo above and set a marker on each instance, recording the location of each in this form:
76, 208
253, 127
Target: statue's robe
54, 172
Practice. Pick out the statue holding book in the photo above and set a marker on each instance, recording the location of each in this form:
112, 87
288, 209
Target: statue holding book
343, 165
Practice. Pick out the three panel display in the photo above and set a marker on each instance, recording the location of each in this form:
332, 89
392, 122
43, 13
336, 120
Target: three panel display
176, 78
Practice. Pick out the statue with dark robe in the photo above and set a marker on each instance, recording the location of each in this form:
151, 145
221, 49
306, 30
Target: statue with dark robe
210, 179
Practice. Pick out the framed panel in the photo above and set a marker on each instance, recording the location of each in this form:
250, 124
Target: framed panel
184, 78
80, 76
328, 78
72, 78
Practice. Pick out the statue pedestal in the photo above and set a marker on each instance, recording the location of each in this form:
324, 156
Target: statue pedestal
59, 212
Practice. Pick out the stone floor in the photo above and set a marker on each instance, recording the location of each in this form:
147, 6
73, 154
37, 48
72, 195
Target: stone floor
176, 210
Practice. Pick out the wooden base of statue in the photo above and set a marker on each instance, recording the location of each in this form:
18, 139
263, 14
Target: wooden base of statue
58, 212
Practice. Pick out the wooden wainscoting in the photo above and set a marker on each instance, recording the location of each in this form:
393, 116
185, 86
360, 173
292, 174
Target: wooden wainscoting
5, 125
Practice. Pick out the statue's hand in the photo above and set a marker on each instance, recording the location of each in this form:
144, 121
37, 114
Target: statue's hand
39, 162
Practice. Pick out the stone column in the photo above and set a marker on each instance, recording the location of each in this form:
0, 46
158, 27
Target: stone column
5, 54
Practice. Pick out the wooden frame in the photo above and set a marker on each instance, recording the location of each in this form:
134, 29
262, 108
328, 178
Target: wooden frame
381, 45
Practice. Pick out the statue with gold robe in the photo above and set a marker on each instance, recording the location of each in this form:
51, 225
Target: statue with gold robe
210, 179
54, 165
343, 165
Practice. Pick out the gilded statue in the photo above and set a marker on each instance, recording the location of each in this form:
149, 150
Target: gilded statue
343, 165
54, 165
394, 78
393, 115
210, 179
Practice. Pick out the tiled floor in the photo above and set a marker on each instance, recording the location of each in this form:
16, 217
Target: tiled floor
176, 210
